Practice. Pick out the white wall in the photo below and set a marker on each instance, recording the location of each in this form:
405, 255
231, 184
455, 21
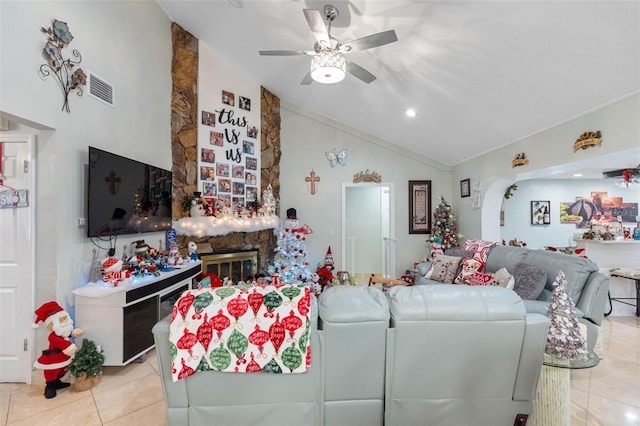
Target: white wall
215, 75
129, 45
517, 222
306, 138
619, 123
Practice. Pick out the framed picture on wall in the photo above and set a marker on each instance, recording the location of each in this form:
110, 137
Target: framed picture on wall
465, 188
540, 212
419, 206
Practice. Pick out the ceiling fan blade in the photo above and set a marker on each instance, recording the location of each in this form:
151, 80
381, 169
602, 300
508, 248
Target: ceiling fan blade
373, 40
307, 79
281, 52
316, 23
359, 72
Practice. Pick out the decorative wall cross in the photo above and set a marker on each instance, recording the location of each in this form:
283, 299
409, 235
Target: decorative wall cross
312, 179
113, 182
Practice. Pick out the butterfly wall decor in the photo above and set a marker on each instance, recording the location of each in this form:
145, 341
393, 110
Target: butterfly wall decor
339, 158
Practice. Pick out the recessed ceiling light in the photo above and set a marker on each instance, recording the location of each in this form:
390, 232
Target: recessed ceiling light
577, 175
411, 112
237, 3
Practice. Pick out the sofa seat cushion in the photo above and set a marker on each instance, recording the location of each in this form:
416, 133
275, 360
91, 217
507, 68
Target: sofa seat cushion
454, 303
529, 281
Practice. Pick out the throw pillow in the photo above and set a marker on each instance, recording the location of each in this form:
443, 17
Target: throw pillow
480, 248
463, 254
443, 268
479, 278
470, 266
503, 278
529, 281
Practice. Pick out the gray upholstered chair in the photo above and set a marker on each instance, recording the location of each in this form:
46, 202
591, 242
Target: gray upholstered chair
458, 355
353, 331
211, 397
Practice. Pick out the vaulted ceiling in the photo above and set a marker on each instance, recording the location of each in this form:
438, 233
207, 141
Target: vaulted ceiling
479, 74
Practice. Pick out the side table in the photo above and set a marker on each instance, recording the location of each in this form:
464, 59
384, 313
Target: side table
632, 274
552, 404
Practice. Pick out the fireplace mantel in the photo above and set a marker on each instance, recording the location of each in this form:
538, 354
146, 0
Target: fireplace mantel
212, 226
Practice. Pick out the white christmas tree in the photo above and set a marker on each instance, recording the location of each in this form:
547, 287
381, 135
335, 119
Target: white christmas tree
291, 261
444, 226
564, 339
269, 201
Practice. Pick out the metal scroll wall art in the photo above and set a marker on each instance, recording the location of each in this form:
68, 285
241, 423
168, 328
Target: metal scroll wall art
69, 76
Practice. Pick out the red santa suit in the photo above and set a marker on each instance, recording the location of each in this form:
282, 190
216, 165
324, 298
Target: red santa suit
55, 359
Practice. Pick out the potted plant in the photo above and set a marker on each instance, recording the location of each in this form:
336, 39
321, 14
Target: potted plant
86, 365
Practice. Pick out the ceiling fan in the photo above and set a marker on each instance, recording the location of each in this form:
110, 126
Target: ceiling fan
328, 64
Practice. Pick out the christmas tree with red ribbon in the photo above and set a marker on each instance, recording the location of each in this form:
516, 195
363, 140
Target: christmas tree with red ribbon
444, 226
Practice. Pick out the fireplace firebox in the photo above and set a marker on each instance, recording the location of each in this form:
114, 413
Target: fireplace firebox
241, 265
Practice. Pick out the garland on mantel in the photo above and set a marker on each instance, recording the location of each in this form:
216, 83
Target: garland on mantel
213, 226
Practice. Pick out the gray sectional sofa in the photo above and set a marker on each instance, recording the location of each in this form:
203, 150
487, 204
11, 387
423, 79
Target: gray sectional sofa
587, 287
433, 355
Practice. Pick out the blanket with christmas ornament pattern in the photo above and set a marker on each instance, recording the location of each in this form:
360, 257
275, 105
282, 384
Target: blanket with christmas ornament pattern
241, 329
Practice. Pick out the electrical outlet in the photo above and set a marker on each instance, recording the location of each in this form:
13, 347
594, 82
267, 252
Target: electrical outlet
82, 222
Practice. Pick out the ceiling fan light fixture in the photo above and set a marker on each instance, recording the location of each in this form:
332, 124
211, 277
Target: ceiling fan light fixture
328, 67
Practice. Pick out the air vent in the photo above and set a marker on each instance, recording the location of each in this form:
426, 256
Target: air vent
100, 89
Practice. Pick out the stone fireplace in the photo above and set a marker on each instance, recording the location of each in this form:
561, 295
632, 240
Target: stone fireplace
184, 149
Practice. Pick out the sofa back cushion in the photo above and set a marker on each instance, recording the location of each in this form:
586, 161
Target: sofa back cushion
353, 303
505, 257
454, 303
576, 269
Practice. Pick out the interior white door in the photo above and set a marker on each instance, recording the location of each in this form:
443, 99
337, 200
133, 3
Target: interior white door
367, 229
16, 261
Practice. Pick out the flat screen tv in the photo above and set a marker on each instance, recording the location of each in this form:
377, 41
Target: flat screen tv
126, 196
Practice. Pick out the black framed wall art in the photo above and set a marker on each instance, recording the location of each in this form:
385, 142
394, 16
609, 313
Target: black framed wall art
465, 188
419, 206
540, 212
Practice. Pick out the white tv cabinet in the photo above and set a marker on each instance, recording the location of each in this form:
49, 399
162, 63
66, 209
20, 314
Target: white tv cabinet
119, 319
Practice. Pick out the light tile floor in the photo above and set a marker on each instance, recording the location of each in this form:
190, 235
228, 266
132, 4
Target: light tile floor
606, 395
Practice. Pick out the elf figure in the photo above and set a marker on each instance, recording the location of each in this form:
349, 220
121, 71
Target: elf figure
328, 260
57, 357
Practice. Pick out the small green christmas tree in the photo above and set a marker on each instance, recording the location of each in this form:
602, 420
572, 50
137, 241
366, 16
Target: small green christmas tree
88, 359
444, 226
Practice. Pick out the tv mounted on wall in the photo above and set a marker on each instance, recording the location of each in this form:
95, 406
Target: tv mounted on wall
126, 196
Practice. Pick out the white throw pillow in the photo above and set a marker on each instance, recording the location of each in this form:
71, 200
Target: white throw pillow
503, 278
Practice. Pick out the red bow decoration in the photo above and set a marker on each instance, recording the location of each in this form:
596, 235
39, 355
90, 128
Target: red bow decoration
304, 229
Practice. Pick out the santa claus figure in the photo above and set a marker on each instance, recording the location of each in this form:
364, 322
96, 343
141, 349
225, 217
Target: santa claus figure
112, 271
57, 357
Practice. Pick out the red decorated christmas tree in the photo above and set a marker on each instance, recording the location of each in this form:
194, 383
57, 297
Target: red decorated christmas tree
443, 226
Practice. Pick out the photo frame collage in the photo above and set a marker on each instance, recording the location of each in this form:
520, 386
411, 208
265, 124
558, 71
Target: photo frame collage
229, 168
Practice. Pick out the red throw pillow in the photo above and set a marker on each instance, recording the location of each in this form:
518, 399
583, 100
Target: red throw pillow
479, 279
